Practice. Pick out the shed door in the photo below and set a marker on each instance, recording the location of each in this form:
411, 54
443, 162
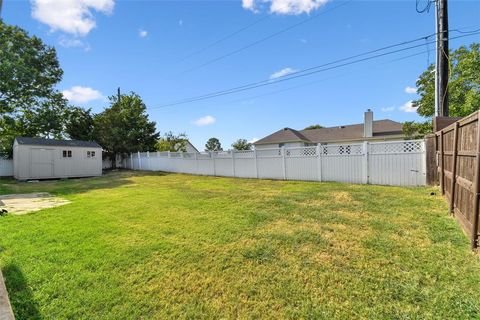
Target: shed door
41, 163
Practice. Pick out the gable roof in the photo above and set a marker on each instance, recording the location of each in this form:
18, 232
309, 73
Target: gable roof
349, 132
56, 143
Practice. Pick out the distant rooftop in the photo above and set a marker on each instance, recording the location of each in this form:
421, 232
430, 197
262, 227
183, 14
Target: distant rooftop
338, 133
56, 143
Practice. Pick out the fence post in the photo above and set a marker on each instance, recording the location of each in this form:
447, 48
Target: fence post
147, 167
365, 147
284, 164
454, 167
476, 188
131, 162
256, 164
233, 162
139, 161
319, 163
196, 163
442, 161
212, 155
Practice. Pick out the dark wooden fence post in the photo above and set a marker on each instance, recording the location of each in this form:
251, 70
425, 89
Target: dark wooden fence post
454, 166
476, 188
431, 155
442, 161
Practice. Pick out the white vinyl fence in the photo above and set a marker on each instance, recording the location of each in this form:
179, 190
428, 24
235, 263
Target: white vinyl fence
6, 167
386, 163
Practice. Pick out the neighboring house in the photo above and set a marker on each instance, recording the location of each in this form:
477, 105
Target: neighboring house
370, 130
191, 148
38, 158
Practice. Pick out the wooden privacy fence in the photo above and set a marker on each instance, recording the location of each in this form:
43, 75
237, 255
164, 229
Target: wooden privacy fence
386, 163
458, 163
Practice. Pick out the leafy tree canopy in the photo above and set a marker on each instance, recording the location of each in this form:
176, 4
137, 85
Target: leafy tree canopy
313, 126
124, 127
213, 144
79, 124
242, 144
463, 89
172, 142
29, 103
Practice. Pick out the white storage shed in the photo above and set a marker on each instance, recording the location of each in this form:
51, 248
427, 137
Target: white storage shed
38, 158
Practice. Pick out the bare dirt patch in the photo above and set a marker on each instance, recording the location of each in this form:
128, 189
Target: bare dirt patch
30, 202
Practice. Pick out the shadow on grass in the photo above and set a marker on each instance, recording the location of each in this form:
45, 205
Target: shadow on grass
20, 294
109, 180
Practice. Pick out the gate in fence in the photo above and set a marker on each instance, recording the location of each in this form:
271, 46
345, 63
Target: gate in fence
387, 163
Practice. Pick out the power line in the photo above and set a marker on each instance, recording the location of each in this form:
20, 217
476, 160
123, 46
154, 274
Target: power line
228, 36
231, 53
310, 71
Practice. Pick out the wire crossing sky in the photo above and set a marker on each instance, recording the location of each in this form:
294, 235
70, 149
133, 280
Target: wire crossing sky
253, 66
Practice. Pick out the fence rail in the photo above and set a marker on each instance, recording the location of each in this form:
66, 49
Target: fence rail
388, 163
458, 163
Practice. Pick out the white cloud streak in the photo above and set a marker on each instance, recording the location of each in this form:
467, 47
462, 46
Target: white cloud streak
70, 16
282, 73
204, 121
142, 33
410, 90
79, 94
284, 7
388, 109
408, 107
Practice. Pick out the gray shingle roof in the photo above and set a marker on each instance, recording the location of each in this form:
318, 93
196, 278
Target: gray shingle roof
350, 132
56, 143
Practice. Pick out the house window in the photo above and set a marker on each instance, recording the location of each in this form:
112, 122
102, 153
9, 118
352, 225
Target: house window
67, 153
90, 154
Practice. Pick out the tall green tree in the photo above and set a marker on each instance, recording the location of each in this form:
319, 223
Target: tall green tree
29, 102
242, 144
313, 126
463, 89
124, 127
172, 142
79, 124
213, 144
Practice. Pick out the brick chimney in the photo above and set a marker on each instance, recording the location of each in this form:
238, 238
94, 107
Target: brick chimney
368, 124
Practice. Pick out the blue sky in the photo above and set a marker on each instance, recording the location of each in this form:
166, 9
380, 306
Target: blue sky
140, 46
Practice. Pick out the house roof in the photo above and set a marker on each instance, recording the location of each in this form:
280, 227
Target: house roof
349, 132
56, 143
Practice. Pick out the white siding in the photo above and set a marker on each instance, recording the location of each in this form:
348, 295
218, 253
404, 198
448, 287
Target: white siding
26, 162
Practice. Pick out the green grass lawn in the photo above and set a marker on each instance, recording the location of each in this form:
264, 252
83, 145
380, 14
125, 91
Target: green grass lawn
155, 246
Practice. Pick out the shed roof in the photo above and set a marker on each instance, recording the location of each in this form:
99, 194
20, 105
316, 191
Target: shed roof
338, 133
56, 143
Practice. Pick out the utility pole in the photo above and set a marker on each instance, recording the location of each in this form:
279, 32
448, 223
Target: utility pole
1, 5
118, 92
442, 66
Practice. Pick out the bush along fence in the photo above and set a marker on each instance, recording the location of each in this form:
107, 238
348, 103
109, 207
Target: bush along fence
458, 163
386, 163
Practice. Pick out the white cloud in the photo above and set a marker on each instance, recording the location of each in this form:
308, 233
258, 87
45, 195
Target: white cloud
73, 43
142, 33
388, 109
81, 94
253, 140
180, 23
204, 121
71, 16
282, 73
284, 6
410, 90
408, 107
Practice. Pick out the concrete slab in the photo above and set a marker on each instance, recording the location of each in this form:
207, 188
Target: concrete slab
31, 202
